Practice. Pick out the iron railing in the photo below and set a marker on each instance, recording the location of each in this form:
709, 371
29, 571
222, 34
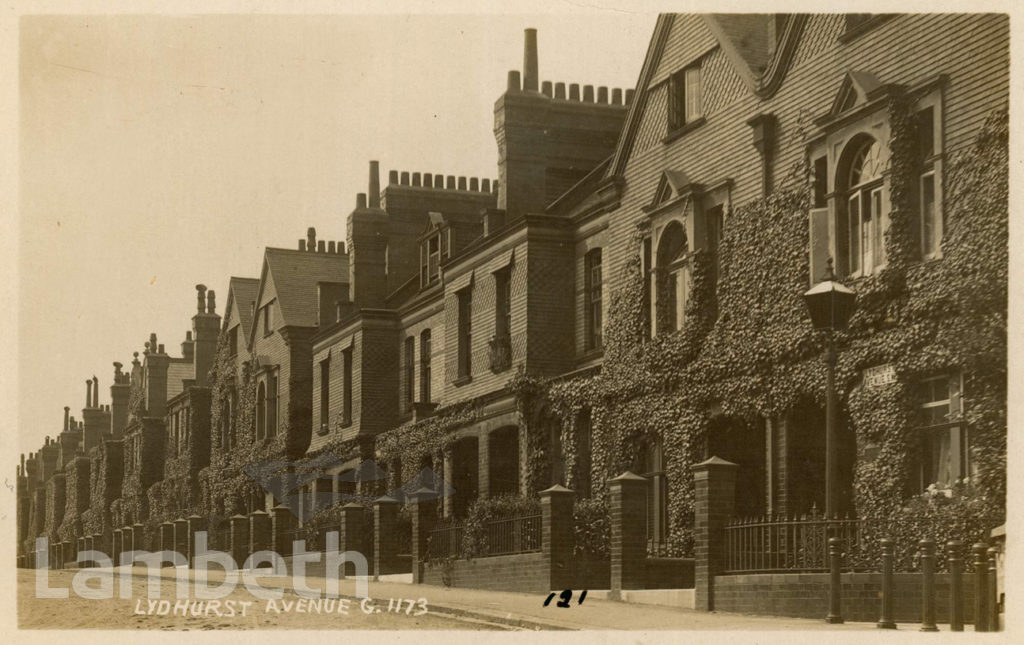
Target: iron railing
501, 536
771, 544
511, 535
445, 541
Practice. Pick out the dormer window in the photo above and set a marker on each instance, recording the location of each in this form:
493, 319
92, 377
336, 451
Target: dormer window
434, 250
686, 105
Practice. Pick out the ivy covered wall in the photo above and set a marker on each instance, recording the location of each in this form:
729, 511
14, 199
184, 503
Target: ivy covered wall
759, 357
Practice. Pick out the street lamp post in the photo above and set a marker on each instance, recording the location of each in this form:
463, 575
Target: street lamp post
830, 305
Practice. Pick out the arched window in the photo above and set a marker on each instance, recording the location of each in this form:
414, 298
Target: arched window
863, 216
672, 278
261, 411
272, 404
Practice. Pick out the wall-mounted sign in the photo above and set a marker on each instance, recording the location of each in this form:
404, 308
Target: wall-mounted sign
879, 375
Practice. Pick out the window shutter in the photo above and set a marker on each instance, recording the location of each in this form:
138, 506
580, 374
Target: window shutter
820, 244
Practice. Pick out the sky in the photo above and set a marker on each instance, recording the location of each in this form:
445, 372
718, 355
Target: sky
158, 152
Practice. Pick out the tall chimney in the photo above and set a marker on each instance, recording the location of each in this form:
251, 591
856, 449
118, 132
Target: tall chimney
67, 410
374, 188
311, 239
211, 302
530, 73
201, 298
95, 391
88, 392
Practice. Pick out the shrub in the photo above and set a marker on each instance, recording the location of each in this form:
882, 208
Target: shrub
591, 527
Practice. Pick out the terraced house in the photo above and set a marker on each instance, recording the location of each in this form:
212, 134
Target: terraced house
622, 304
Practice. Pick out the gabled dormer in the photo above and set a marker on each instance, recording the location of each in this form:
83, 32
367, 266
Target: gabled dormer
435, 247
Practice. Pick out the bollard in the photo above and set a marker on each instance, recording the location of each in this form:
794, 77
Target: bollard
835, 615
956, 586
928, 586
992, 591
980, 587
886, 621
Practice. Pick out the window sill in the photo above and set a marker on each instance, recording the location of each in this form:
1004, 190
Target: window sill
683, 130
346, 423
590, 354
462, 380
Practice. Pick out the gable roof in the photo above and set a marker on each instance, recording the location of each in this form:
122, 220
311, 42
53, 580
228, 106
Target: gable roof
242, 292
747, 43
295, 275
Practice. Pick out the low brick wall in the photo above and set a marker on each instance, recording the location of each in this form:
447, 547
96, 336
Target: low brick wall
524, 572
669, 573
806, 595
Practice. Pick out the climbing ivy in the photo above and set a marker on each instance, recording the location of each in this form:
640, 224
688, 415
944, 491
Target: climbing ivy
759, 357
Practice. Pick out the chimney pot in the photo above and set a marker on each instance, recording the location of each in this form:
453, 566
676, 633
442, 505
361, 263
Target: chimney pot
559, 90
513, 80
95, 391
88, 392
188, 336
546, 88
211, 302
602, 94
66, 411
341, 247
494, 185
438, 180
392, 177
321, 246
485, 186
160, 348
330, 247
152, 341
201, 298
450, 182
428, 180
474, 184
629, 96
588, 93
617, 96
530, 60
405, 178
302, 245
574, 91
361, 200
311, 239
117, 369
415, 179
462, 183
374, 188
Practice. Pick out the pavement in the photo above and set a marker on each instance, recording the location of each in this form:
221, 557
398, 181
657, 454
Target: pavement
514, 610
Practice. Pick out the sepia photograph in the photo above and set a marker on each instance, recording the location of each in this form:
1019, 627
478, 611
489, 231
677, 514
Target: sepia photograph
456, 318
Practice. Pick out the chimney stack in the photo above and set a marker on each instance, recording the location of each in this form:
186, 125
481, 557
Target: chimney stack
95, 391
88, 392
211, 302
67, 425
302, 245
118, 401
360, 200
311, 239
321, 246
330, 247
374, 188
530, 72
